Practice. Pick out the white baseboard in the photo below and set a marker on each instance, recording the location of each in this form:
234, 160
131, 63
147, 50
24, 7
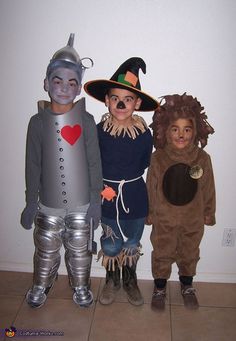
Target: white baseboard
98, 271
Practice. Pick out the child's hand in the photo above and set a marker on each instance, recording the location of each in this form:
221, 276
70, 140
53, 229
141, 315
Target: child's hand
94, 211
148, 220
209, 220
28, 215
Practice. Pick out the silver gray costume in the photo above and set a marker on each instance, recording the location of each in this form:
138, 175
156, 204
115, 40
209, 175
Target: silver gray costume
49, 235
63, 170
65, 177
64, 186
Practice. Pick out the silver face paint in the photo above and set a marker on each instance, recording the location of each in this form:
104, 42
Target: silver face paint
63, 86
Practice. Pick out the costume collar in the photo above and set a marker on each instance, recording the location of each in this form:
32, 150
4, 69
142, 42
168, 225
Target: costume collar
136, 126
46, 105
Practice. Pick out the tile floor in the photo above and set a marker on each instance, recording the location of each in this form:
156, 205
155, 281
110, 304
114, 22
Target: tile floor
215, 320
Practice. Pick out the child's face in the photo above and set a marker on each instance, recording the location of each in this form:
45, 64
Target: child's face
121, 104
181, 133
63, 86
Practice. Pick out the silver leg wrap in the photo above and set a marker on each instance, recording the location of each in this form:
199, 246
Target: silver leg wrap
77, 257
48, 241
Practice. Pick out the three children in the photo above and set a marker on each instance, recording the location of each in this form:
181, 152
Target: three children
64, 180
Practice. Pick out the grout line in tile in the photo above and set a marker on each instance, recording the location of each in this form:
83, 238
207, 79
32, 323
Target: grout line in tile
18, 310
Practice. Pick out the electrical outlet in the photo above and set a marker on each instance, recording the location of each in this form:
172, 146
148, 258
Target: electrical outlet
229, 237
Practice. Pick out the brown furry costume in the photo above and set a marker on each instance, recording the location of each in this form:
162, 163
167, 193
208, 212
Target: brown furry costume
179, 205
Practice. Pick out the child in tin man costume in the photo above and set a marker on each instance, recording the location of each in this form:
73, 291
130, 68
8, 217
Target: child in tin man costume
63, 180
181, 192
126, 145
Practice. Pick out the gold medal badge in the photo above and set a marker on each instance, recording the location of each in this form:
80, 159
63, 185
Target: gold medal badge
196, 172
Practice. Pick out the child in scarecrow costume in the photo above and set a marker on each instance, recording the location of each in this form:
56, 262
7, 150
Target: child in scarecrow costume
126, 145
63, 180
181, 193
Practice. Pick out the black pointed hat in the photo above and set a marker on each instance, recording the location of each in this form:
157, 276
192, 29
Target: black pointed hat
126, 77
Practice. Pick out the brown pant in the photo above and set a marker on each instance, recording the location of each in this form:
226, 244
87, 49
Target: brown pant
175, 244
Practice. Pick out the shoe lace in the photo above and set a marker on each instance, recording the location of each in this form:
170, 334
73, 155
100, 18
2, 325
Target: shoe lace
159, 293
189, 291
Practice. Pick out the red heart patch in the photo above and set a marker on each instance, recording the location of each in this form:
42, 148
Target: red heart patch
71, 134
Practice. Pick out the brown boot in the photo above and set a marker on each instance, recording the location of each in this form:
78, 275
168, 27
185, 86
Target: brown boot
130, 285
158, 298
189, 296
111, 286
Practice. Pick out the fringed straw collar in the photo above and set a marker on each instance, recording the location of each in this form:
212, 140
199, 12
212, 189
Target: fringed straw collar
136, 126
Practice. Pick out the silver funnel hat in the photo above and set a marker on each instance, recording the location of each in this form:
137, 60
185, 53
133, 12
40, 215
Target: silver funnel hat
68, 53
69, 58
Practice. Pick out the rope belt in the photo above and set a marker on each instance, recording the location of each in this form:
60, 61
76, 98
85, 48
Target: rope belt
120, 197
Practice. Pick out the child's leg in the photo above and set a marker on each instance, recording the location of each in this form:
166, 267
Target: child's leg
159, 294
133, 230
111, 247
187, 258
164, 241
188, 251
48, 241
78, 257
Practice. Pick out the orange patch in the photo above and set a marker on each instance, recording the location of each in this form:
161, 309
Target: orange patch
131, 78
108, 193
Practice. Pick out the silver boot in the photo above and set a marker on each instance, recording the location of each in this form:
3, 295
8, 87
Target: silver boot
83, 296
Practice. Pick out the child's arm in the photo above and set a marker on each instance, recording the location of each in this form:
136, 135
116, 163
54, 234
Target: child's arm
152, 190
209, 194
95, 169
148, 149
32, 171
